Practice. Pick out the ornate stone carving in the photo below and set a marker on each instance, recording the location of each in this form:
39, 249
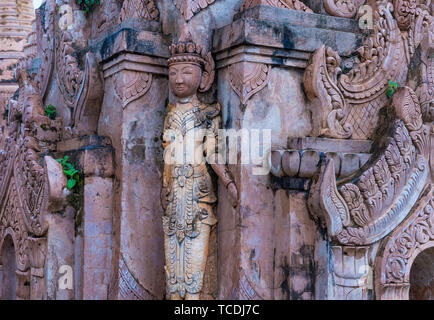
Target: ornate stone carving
425, 91
87, 105
129, 288
189, 8
247, 78
132, 85
378, 198
288, 4
188, 195
243, 290
352, 275
28, 183
69, 75
46, 45
401, 248
82, 90
347, 105
343, 8
143, 9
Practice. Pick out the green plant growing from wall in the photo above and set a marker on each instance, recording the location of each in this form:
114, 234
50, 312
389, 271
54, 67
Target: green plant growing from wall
50, 111
88, 5
71, 173
391, 88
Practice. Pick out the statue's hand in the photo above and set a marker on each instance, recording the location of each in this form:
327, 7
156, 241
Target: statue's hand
233, 194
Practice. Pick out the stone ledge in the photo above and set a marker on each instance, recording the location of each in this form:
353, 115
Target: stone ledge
128, 40
330, 145
305, 163
282, 37
135, 62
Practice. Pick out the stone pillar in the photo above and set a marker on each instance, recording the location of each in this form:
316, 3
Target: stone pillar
37, 253
132, 116
352, 277
23, 285
262, 49
93, 223
60, 255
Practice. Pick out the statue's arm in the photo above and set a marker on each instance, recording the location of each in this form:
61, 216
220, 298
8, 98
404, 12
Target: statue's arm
225, 176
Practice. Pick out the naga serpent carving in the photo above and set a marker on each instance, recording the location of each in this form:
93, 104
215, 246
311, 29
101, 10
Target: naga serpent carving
365, 207
347, 105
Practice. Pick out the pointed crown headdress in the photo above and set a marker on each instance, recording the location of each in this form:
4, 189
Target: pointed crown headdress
187, 51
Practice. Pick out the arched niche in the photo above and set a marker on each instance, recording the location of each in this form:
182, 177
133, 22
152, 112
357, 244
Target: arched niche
422, 276
400, 249
8, 270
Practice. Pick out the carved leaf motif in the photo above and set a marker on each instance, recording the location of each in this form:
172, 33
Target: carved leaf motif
69, 75
46, 44
417, 231
143, 9
383, 57
329, 107
287, 4
343, 8
359, 212
132, 86
248, 78
189, 8
381, 196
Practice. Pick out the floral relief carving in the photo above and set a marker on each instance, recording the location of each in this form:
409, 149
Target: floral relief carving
143, 9
25, 188
287, 4
132, 85
129, 288
347, 105
46, 45
425, 90
69, 75
399, 250
379, 197
82, 90
343, 8
247, 78
189, 8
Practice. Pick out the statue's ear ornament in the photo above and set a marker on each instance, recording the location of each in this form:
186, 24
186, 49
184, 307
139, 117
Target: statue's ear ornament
208, 73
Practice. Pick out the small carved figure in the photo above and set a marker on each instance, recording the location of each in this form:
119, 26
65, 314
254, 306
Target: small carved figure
188, 195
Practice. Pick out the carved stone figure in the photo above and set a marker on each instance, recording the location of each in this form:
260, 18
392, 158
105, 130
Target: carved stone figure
188, 194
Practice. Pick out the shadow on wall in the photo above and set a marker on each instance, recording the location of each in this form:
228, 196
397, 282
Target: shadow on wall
422, 276
8, 266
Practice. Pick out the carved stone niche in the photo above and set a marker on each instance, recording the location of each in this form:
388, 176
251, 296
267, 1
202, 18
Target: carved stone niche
399, 250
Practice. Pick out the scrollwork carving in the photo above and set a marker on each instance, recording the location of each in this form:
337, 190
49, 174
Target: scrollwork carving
401, 248
287, 4
347, 105
132, 85
248, 78
189, 8
46, 45
379, 197
343, 8
143, 9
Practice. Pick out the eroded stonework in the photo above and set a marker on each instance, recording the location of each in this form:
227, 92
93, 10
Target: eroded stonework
331, 199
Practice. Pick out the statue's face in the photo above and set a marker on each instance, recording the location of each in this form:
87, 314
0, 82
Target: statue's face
184, 79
